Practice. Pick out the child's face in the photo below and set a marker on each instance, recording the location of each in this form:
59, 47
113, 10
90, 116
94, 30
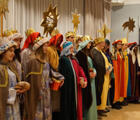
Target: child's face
18, 41
9, 54
45, 47
72, 50
119, 45
89, 45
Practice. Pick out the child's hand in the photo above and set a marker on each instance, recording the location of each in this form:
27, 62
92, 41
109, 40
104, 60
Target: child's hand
84, 85
81, 81
138, 73
92, 75
62, 83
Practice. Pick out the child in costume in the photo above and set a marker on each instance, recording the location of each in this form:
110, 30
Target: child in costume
9, 78
137, 82
40, 75
132, 70
75, 80
102, 80
125, 75
16, 37
54, 49
117, 60
27, 48
71, 36
89, 93
53, 52
112, 79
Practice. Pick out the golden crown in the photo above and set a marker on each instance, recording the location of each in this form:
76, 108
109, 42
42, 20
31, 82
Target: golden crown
9, 32
86, 37
29, 31
38, 39
68, 34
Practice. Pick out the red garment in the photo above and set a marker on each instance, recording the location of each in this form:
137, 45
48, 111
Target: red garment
123, 79
115, 42
54, 41
117, 64
30, 39
79, 73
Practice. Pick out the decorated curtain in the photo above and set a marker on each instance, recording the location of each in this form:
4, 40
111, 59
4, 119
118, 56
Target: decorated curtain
24, 14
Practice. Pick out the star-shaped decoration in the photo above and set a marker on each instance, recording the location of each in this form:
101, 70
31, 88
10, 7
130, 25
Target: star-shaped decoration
104, 31
129, 24
3, 7
50, 19
75, 20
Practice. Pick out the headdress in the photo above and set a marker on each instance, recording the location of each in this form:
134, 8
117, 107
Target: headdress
124, 41
12, 34
54, 41
5, 44
86, 37
39, 42
99, 40
66, 48
29, 31
116, 42
68, 34
84, 43
30, 39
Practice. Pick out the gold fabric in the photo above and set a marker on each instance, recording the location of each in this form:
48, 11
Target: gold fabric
53, 58
99, 40
105, 86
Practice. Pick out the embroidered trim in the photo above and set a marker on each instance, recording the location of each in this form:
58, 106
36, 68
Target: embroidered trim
6, 78
35, 73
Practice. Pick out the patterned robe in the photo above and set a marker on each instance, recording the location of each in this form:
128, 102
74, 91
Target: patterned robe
37, 99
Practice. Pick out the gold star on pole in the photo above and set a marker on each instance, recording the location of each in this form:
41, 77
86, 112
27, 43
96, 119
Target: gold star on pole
129, 24
3, 10
50, 19
104, 31
3, 7
75, 20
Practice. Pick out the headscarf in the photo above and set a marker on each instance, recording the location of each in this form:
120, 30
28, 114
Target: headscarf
39, 43
116, 42
30, 39
83, 44
66, 48
5, 44
54, 41
107, 41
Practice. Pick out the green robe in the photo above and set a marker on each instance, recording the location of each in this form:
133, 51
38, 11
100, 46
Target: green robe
92, 112
68, 96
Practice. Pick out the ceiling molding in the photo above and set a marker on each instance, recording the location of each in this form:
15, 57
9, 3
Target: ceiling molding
131, 3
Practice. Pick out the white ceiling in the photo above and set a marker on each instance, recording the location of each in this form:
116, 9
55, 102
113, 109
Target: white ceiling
126, 1
132, 1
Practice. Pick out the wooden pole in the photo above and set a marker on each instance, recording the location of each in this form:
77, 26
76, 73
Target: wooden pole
1, 24
127, 35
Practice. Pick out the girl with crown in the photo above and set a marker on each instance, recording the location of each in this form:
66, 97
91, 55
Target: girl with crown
40, 75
